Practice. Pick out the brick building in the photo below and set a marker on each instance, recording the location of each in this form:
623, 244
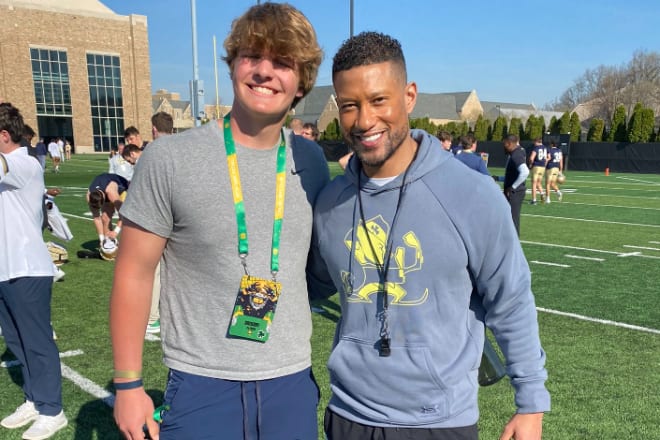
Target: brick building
76, 69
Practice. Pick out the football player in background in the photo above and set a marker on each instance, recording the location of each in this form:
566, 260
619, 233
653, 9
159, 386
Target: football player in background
554, 168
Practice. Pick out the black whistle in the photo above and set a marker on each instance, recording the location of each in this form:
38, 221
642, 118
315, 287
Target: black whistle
384, 350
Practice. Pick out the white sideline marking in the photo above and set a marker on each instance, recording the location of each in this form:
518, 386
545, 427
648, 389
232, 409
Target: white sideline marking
641, 247
617, 188
619, 196
591, 221
638, 180
151, 337
654, 242
66, 214
579, 257
65, 354
618, 254
599, 321
87, 385
545, 263
609, 206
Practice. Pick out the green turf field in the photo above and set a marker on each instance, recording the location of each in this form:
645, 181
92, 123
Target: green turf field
595, 256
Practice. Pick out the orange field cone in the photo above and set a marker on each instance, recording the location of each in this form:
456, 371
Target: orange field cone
607, 171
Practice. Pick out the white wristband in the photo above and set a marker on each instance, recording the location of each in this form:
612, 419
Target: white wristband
117, 229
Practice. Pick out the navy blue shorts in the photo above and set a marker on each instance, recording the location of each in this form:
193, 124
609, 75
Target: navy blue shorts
205, 408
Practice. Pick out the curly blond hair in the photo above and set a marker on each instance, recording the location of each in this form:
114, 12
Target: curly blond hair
277, 29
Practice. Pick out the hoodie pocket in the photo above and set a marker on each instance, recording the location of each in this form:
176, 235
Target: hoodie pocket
402, 389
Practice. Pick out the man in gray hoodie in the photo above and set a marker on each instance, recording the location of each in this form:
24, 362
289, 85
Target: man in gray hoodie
424, 255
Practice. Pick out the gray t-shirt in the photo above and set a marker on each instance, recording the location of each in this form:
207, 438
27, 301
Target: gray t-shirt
189, 202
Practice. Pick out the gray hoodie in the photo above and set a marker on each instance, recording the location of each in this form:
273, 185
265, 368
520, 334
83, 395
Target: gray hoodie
456, 264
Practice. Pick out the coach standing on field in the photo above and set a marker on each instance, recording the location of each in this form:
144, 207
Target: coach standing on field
515, 174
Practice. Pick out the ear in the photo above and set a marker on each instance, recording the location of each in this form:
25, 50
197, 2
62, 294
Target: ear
299, 93
410, 96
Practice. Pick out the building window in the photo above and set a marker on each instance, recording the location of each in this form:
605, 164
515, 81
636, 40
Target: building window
50, 74
105, 96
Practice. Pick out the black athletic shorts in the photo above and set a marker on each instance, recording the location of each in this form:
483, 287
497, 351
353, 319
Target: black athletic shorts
339, 428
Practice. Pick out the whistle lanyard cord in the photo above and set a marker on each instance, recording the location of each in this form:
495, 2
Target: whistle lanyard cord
383, 267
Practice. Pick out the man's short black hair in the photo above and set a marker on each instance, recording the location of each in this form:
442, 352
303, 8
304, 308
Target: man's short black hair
131, 131
28, 132
467, 141
11, 121
130, 148
368, 48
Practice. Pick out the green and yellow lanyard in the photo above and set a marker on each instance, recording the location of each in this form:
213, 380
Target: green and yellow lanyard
280, 189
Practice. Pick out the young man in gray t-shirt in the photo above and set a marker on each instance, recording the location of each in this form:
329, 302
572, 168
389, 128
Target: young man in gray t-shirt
232, 223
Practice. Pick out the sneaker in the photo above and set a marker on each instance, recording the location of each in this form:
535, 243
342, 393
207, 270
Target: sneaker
559, 194
154, 327
59, 274
547, 201
45, 427
23, 415
533, 202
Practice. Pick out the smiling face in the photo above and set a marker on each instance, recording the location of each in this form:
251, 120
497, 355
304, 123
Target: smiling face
374, 103
265, 84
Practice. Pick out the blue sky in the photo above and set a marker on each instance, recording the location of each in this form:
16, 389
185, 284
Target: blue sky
519, 51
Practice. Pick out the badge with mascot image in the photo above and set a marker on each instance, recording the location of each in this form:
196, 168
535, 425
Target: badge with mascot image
254, 309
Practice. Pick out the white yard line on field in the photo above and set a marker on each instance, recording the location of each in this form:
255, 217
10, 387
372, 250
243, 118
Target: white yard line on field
579, 257
641, 247
609, 206
65, 354
617, 187
66, 214
599, 321
630, 254
618, 254
545, 263
591, 221
88, 386
617, 196
654, 242
646, 182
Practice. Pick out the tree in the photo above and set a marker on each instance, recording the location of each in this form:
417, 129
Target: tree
534, 127
481, 128
516, 127
617, 131
602, 89
575, 127
463, 128
332, 132
554, 125
648, 125
499, 129
424, 124
595, 133
635, 124
564, 124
